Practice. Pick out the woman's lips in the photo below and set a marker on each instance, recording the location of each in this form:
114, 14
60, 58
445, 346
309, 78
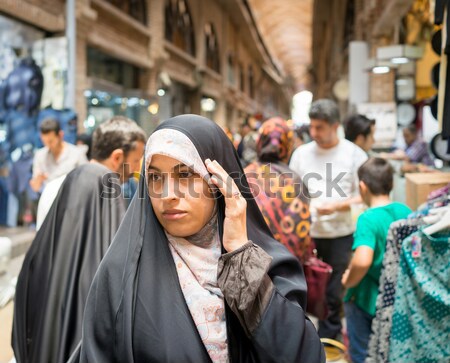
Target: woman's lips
174, 214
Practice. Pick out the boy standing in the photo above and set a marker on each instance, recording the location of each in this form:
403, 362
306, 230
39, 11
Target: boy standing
362, 276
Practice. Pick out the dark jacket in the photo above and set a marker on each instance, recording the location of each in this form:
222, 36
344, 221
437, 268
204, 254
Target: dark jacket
59, 267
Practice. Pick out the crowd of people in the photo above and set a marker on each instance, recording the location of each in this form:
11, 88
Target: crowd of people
205, 263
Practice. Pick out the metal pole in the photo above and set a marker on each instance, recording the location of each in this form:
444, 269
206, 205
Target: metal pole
71, 35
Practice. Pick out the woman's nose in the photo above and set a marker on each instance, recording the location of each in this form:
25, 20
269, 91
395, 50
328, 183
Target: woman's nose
171, 188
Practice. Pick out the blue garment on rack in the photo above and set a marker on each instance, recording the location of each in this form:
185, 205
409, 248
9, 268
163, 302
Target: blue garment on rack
3, 201
20, 174
24, 85
421, 319
20, 130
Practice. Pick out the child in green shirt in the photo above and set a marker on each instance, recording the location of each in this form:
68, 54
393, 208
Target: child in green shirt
362, 276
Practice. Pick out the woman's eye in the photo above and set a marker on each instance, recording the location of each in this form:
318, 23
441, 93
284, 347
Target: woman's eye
185, 174
154, 177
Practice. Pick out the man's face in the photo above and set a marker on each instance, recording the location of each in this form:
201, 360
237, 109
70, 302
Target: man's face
409, 137
366, 142
132, 162
322, 132
245, 130
52, 140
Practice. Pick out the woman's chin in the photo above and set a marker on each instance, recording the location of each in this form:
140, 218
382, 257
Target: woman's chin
177, 230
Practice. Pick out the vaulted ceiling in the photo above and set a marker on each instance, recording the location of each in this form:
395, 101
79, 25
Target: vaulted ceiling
286, 26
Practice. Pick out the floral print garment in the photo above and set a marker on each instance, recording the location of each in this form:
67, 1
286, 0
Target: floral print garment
421, 319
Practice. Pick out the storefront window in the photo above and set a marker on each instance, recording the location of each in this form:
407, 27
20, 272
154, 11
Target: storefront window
179, 28
103, 105
137, 9
212, 48
116, 91
103, 66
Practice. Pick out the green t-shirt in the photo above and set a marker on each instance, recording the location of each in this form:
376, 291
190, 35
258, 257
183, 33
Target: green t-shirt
371, 230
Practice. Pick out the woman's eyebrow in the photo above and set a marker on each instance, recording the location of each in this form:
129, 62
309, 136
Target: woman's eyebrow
176, 167
181, 165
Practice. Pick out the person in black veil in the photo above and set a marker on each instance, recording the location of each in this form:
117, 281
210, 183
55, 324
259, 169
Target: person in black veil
194, 273
58, 269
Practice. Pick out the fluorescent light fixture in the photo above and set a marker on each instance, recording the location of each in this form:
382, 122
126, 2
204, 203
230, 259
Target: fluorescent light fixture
400, 60
380, 69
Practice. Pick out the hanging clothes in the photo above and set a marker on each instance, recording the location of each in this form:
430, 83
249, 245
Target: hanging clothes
421, 316
444, 191
23, 89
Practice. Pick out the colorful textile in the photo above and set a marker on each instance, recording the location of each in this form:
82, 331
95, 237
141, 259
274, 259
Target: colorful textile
275, 141
421, 319
441, 192
280, 193
283, 201
197, 272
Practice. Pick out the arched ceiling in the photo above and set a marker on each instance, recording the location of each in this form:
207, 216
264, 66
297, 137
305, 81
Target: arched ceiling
286, 27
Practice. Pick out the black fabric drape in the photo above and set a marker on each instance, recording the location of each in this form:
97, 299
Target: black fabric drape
59, 267
136, 311
441, 7
439, 11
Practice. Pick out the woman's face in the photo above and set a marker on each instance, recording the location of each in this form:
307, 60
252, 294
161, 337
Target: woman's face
181, 199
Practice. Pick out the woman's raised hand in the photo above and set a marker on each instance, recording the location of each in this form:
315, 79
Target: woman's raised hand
235, 223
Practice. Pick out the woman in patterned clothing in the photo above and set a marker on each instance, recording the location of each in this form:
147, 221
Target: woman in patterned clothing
278, 190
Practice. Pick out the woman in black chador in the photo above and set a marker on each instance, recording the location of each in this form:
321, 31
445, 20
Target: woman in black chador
194, 274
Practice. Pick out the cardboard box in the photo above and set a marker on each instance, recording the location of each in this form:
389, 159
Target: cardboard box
419, 185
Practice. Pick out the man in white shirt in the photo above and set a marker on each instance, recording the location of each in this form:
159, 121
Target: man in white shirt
57, 158
328, 166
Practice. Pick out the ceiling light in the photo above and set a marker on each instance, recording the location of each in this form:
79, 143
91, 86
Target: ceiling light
380, 69
399, 60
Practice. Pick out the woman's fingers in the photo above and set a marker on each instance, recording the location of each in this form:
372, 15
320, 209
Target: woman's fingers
222, 180
234, 225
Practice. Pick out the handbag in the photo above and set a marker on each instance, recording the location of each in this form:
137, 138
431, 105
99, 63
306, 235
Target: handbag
317, 274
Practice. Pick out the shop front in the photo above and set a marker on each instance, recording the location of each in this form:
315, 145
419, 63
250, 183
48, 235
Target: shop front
115, 88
